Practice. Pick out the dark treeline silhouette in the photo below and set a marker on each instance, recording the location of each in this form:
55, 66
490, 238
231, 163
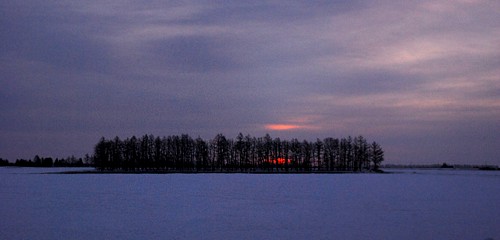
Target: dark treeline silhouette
4, 162
443, 166
244, 154
38, 161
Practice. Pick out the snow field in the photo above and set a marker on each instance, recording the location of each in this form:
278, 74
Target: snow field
421, 204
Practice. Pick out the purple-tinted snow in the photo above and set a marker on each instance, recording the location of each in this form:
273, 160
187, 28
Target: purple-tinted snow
423, 204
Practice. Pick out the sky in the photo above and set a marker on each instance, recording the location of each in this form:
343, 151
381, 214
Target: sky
422, 78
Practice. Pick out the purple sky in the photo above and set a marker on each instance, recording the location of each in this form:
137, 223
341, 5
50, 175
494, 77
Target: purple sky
420, 77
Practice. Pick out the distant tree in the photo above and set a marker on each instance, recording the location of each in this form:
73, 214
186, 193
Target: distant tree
286, 155
58, 163
246, 158
277, 154
37, 161
360, 153
4, 162
102, 154
296, 154
268, 148
47, 162
186, 152
159, 153
87, 160
318, 153
343, 152
201, 154
377, 155
240, 151
331, 153
349, 154
221, 146
23, 163
251, 143
307, 149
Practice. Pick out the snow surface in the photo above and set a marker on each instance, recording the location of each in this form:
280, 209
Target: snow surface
409, 204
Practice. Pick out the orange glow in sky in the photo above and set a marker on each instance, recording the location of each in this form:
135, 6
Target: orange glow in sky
281, 127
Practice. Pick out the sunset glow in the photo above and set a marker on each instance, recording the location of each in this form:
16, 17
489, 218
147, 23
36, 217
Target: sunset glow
278, 161
281, 127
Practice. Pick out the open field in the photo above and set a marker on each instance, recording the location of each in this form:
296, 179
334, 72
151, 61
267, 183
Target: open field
409, 204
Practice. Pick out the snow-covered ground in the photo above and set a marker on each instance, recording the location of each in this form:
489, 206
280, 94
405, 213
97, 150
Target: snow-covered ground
409, 204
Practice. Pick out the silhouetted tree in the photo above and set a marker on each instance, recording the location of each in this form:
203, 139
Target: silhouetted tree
318, 153
47, 162
221, 147
4, 162
360, 153
286, 155
201, 154
377, 155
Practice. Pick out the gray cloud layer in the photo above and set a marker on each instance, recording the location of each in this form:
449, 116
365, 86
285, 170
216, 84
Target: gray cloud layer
420, 77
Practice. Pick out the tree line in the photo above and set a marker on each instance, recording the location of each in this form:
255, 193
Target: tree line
243, 154
38, 161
